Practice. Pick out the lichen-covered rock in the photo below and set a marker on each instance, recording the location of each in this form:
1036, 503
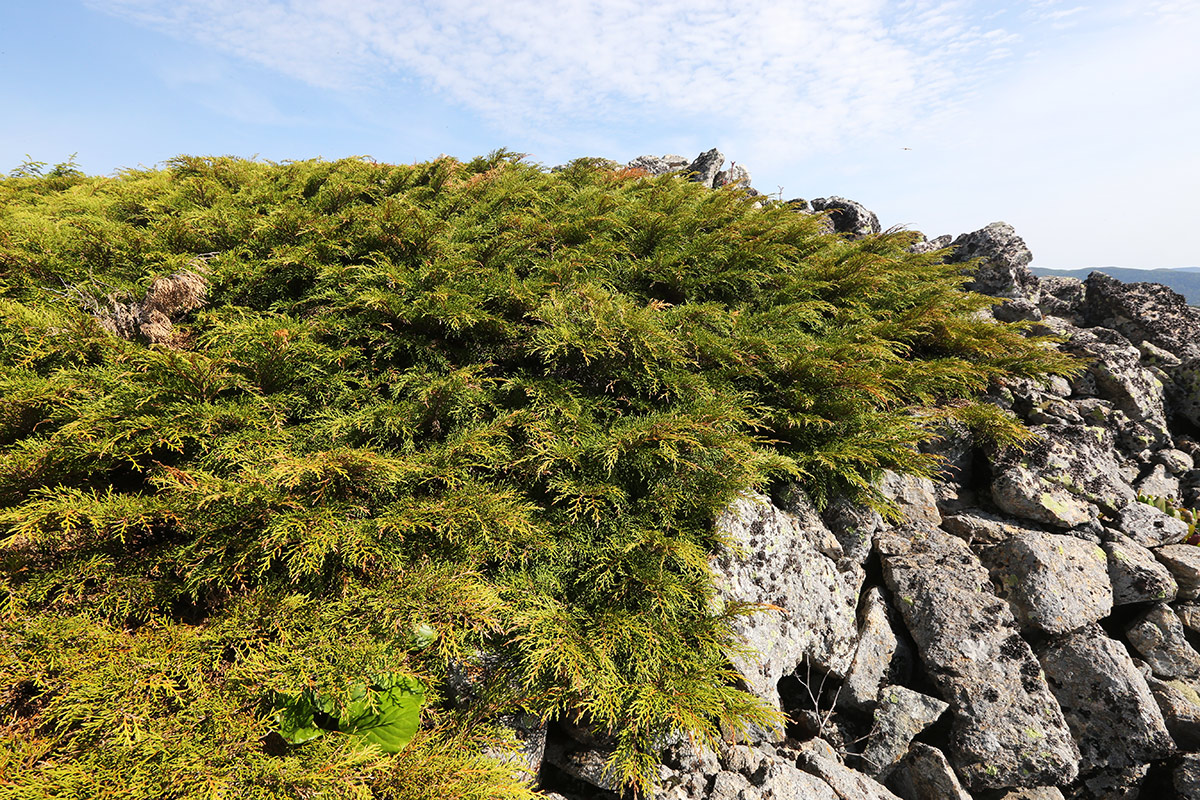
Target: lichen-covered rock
1114, 717
1061, 297
915, 497
925, 774
781, 567
1136, 575
1184, 391
1143, 312
1183, 560
923, 245
1007, 728
872, 666
980, 528
854, 526
1117, 784
1179, 701
658, 165
1159, 483
705, 168
1158, 637
779, 780
735, 177
1060, 474
732, 786
1004, 268
1054, 583
1115, 366
1149, 527
900, 716
847, 784
848, 216
1032, 793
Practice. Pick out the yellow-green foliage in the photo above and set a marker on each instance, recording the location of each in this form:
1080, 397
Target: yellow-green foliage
430, 412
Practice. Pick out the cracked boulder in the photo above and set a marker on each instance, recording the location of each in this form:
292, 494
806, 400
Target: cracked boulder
1007, 728
1004, 262
1116, 368
1158, 637
772, 561
848, 216
925, 774
874, 656
1149, 527
1106, 701
900, 716
1183, 561
1061, 474
1054, 583
1136, 575
705, 168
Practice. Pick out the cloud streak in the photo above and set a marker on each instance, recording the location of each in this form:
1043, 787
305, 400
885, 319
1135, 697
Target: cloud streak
814, 74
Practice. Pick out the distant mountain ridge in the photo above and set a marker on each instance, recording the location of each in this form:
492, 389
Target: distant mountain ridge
1185, 280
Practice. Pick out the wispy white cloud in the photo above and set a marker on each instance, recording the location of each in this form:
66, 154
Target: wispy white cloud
814, 73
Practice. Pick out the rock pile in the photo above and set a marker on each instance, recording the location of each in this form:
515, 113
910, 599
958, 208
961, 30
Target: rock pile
1030, 629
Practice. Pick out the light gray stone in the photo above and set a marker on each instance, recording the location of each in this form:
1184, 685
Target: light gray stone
925, 774
1117, 369
735, 177
1003, 269
778, 566
1143, 312
1114, 717
1177, 462
854, 526
1159, 483
847, 784
872, 664
705, 168
1158, 637
977, 527
732, 786
1007, 727
782, 781
1189, 615
1136, 575
900, 716
1032, 793
1059, 475
1183, 560
1054, 583
915, 497
1117, 784
1150, 527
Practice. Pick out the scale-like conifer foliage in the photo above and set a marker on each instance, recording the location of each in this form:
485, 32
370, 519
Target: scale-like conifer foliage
441, 419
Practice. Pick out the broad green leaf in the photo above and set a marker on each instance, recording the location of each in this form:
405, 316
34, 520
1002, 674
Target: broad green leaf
294, 716
387, 713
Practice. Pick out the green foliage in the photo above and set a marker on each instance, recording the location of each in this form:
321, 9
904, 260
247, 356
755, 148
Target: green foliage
443, 417
385, 713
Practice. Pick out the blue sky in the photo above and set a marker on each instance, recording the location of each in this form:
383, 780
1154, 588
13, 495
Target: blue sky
1077, 122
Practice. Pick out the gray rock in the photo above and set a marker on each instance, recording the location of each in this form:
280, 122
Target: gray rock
929, 245
1054, 583
1187, 777
1143, 312
847, 784
1115, 366
1177, 462
1032, 793
526, 757
1004, 267
1114, 717
732, 786
1059, 475
704, 169
900, 716
980, 528
1061, 297
848, 216
1150, 527
925, 774
1183, 560
915, 497
1007, 727
742, 758
779, 566
1117, 784
588, 765
1136, 575
854, 526
1189, 615
1179, 702
1158, 637
872, 666
652, 164
735, 177
1159, 483
782, 781
1184, 390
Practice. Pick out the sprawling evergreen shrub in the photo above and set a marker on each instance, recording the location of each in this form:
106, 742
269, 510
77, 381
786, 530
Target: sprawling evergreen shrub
433, 416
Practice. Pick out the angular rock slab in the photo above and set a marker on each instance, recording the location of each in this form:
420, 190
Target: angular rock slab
1183, 561
1106, 701
779, 566
847, 784
872, 664
925, 774
1159, 639
1004, 267
1179, 702
900, 715
1143, 312
1059, 475
848, 216
1055, 583
1136, 575
1150, 527
782, 781
1187, 778
1008, 729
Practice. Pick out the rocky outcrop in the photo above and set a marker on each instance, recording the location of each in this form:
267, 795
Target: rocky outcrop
848, 217
152, 318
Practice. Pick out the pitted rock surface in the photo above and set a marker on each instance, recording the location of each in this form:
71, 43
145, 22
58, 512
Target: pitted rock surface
1053, 582
1158, 637
1183, 561
781, 567
1179, 701
705, 168
1143, 312
848, 216
1150, 527
1136, 575
873, 656
847, 784
1116, 367
1004, 268
979, 528
1061, 473
1007, 727
1107, 704
900, 716
925, 774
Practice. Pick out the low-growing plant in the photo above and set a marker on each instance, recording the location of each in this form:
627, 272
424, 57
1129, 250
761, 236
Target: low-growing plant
438, 418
